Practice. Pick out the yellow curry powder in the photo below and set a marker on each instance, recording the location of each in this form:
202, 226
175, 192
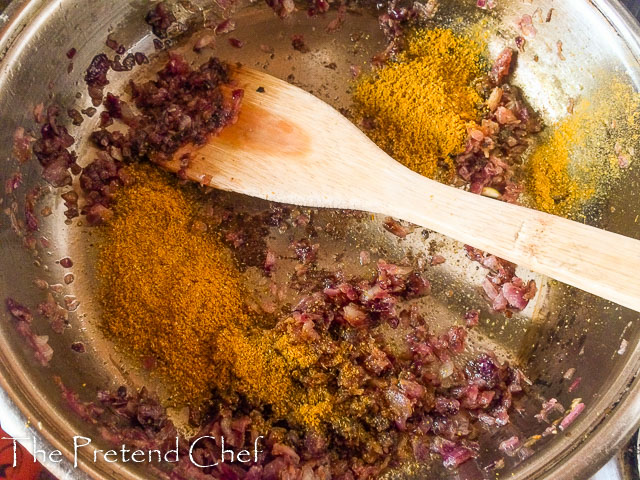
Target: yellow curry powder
265, 369
424, 101
166, 288
586, 152
172, 292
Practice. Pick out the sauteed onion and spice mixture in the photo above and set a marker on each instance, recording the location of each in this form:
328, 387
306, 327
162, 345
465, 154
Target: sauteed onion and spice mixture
340, 376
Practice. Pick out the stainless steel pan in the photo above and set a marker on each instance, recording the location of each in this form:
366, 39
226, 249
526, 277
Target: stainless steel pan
565, 329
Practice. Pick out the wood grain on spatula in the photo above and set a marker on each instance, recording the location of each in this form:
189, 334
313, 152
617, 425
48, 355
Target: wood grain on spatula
289, 146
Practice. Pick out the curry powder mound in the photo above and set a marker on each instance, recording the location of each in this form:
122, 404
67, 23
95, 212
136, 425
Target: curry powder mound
587, 152
171, 292
423, 102
167, 288
266, 366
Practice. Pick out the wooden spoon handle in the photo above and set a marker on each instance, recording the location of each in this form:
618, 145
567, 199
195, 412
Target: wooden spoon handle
594, 260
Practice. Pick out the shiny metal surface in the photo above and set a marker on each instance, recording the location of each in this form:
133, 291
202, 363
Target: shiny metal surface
565, 329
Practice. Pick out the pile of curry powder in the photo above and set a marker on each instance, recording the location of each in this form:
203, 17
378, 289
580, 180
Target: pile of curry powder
167, 288
422, 102
585, 154
172, 297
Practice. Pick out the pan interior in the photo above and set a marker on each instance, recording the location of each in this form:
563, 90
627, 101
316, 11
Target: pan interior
564, 329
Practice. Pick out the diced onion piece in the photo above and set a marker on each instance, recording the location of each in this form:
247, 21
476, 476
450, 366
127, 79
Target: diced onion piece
490, 192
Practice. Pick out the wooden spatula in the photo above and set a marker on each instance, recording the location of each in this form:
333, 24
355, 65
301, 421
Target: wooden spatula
289, 146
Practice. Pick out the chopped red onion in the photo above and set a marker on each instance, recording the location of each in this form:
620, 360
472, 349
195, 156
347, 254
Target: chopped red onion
66, 262
574, 385
437, 260
394, 226
297, 42
13, 183
22, 144
472, 318
548, 407
160, 19
526, 26
510, 446
571, 416
623, 347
